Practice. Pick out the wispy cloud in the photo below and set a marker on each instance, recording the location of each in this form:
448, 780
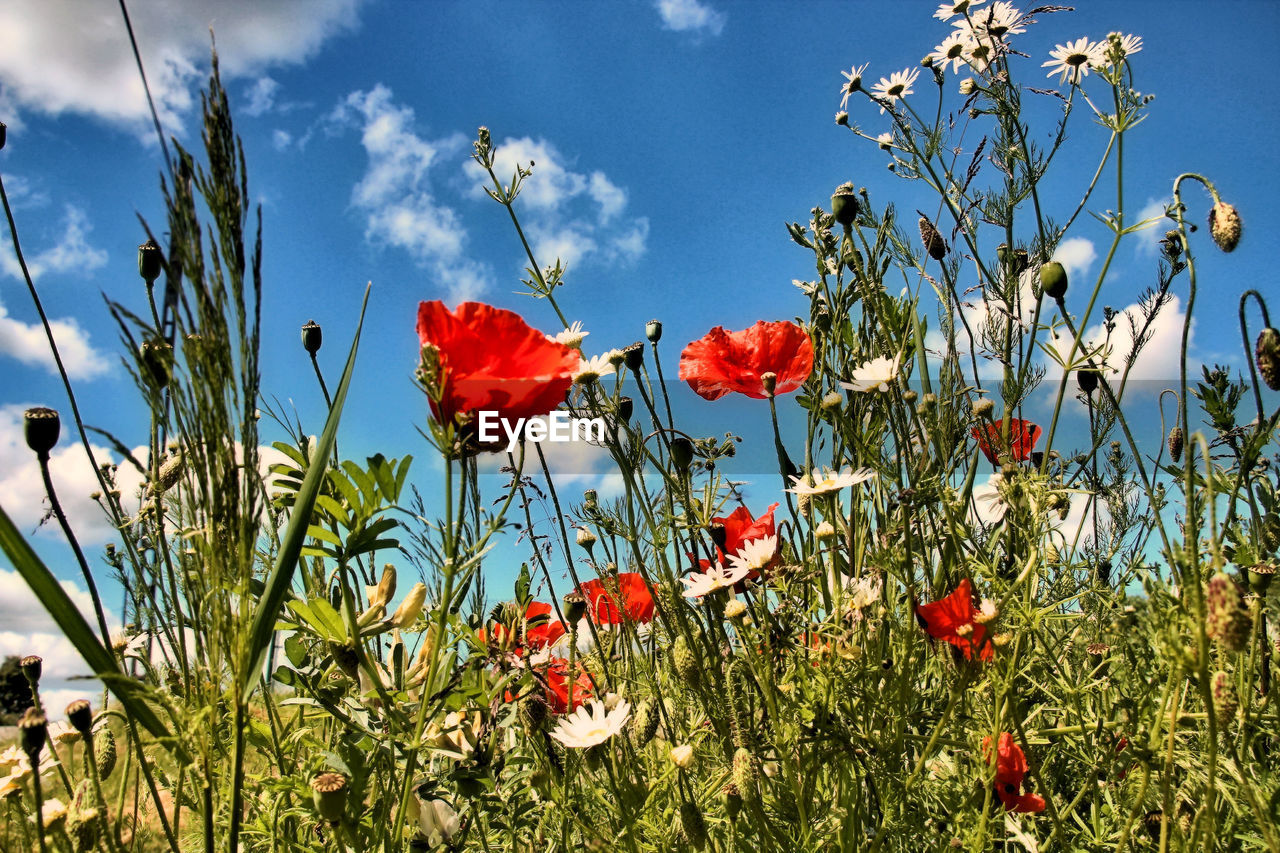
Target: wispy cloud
71, 253
690, 16
397, 195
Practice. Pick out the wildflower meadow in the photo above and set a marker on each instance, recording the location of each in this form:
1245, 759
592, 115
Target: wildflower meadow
934, 617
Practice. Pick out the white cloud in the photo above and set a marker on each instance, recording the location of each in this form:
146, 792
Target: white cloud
59, 56
397, 196
690, 16
73, 477
567, 215
1149, 242
72, 253
1077, 254
29, 345
281, 139
262, 96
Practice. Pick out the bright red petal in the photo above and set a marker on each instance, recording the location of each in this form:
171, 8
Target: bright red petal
721, 362
1023, 436
604, 607
740, 527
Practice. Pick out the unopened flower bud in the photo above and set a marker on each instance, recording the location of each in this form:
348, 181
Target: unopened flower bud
1224, 226
1226, 618
735, 609
644, 725
1267, 356
586, 538
932, 240
1087, 379
844, 205
686, 664
824, 531
682, 756
575, 607
150, 261
967, 86
1225, 700
693, 824
80, 715
983, 408
157, 361
653, 331
407, 613
1053, 280
329, 794
626, 407
33, 729
831, 401
682, 453
1175, 443
42, 427
312, 337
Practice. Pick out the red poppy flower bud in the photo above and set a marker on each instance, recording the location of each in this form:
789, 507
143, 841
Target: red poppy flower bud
932, 240
693, 824
1225, 699
150, 260
312, 337
1267, 356
157, 361
42, 427
1053, 280
1175, 443
1224, 226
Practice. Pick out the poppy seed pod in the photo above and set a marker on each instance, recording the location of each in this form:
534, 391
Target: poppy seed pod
1224, 226
626, 406
1053, 280
33, 729
329, 794
42, 427
150, 261
32, 666
844, 205
769, 380
653, 331
682, 453
575, 607
932, 240
1260, 575
590, 499
1087, 379
312, 337
157, 359
80, 715
633, 356
1267, 356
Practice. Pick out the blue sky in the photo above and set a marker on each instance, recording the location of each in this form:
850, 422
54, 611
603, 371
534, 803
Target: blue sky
673, 141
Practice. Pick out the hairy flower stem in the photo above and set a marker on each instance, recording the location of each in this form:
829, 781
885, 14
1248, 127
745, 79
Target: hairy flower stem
1248, 345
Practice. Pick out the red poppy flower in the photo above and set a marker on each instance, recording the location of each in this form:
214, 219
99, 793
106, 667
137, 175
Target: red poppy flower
1023, 436
604, 606
538, 630
952, 619
489, 359
1011, 768
720, 361
558, 687
740, 528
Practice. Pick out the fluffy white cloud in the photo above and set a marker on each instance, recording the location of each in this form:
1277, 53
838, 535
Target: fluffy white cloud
397, 196
22, 489
72, 253
690, 16
1076, 254
60, 56
28, 344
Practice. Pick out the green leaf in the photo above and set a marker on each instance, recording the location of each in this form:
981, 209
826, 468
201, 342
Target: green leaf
295, 534
129, 691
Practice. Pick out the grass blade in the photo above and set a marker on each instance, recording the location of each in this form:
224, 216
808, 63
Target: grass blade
295, 534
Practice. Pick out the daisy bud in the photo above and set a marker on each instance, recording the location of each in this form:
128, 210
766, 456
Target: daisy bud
626, 406
407, 613
967, 86
932, 240
1225, 700
312, 337
831, 401
1175, 443
1224, 225
33, 729
633, 356
682, 756
653, 331
150, 261
1001, 640
42, 427
824, 531
329, 795
586, 538
691, 821
982, 409
1267, 355
80, 715
1053, 280
735, 609
575, 607
844, 205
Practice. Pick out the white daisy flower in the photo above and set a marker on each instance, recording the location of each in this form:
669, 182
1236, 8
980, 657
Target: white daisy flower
1117, 47
885, 140
591, 369
852, 83
825, 481
572, 336
876, 375
592, 724
951, 51
756, 554
1073, 59
997, 21
896, 86
714, 578
864, 592
947, 11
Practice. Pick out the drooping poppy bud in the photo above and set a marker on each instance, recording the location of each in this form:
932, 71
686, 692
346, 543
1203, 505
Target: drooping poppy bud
1267, 356
1175, 443
1224, 226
